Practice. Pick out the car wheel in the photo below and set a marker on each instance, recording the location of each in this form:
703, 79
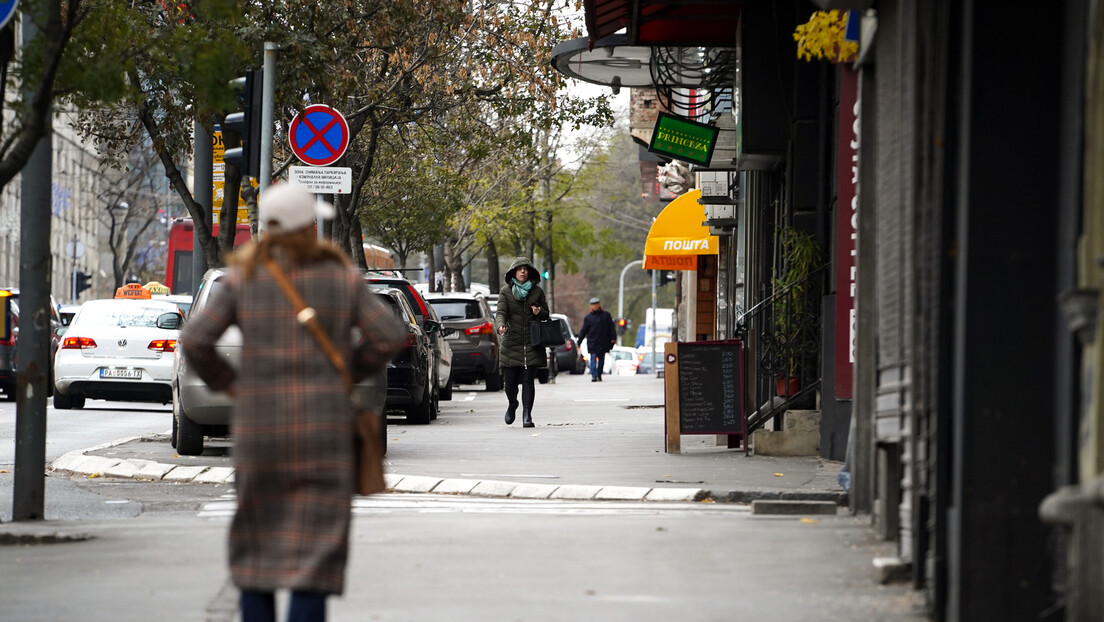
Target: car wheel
542, 375
176, 413
580, 366
78, 401
423, 412
62, 401
435, 409
189, 434
494, 381
383, 433
446, 393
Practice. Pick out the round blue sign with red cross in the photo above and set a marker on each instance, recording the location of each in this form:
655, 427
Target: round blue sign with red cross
319, 135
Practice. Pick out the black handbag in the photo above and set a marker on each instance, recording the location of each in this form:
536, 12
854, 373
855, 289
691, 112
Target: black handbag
546, 333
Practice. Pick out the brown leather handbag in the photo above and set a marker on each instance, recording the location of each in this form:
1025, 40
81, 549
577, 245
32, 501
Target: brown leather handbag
367, 425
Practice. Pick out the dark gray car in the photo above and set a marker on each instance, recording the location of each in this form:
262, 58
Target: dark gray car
473, 338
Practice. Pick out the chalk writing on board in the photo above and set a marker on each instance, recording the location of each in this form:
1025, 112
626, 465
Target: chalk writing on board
709, 381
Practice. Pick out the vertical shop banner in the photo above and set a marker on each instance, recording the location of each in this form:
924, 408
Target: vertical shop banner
847, 182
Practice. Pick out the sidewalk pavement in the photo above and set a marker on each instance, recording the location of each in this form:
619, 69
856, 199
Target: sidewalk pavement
593, 441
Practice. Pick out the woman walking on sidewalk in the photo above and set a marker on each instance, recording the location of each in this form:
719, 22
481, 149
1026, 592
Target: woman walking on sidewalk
520, 301
292, 419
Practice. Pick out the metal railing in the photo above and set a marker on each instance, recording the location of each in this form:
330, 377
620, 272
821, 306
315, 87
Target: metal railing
781, 335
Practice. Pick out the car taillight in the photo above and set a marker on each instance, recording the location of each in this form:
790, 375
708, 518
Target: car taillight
486, 328
162, 345
76, 343
411, 340
568, 345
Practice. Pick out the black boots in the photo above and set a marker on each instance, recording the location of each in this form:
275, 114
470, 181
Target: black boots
527, 419
510, 412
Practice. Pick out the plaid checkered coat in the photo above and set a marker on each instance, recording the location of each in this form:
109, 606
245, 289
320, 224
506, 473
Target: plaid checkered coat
293, 451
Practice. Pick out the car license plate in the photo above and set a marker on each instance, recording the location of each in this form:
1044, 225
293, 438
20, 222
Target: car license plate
114, 372
452, 336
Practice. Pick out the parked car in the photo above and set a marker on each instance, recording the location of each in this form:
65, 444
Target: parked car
620, 361
442, 350
568, 356
199, 412
183, 301
473, 337
66, 313
117, 349
644, 362
411, 381
8, 344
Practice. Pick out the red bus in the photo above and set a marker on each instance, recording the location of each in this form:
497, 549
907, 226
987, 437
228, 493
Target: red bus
178, 272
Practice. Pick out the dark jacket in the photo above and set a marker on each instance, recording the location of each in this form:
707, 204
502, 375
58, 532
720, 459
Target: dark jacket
293, 449
599, 331
515, 315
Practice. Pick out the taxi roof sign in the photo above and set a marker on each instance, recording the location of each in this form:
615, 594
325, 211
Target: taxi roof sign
155, 287
133, 290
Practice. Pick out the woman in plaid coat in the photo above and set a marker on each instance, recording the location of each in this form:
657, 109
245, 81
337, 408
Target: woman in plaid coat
292, 421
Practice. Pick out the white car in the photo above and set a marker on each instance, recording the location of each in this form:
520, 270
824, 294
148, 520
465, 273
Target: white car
620, 361
117, 349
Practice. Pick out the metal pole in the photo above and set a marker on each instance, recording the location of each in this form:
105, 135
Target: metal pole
621, 287
655, 365
201, 190
268, 97
33, 347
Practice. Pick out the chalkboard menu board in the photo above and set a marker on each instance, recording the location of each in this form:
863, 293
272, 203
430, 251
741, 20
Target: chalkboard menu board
710, 383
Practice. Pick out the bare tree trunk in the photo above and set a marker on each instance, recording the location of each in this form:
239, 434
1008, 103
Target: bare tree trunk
355, 237
456, 267
432, 271
494, 279
228, 211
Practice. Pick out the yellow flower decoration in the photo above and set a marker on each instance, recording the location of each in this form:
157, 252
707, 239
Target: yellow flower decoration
822, 37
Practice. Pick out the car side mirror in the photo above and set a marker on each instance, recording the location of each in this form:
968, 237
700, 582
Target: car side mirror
170, 321
432, 326
60, 330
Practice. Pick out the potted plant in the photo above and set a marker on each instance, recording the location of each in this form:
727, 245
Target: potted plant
801, 255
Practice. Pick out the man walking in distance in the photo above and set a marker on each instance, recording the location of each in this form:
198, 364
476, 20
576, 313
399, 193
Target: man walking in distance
601, 335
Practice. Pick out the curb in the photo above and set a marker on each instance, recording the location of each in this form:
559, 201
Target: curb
78, 463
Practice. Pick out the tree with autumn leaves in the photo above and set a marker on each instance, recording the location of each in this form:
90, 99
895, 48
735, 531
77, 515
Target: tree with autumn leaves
439, 95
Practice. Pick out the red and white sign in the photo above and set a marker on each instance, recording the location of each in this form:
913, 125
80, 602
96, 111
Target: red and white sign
319, 135
847, 214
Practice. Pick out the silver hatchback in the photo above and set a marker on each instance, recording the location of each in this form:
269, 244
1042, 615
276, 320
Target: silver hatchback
199, 412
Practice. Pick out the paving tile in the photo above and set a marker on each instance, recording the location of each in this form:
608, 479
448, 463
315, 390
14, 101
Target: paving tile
493, 488
533, 491
417, 483
622, 493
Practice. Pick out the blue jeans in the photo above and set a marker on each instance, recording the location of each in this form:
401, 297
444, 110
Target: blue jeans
597, 362
304, 607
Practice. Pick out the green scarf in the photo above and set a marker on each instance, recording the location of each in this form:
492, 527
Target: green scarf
521, 290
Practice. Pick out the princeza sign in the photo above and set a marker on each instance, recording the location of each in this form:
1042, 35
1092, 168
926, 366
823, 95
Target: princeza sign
680, 138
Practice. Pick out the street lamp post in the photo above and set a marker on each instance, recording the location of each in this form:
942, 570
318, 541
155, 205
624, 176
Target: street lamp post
621, 288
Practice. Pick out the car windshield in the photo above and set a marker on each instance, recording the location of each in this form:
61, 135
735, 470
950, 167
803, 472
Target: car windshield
125, 313
457, 309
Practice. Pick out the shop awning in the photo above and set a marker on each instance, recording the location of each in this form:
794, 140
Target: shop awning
677, 236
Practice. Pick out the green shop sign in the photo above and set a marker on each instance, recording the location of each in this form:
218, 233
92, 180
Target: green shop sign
680, 138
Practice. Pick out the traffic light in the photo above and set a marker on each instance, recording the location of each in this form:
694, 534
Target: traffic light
666, 276
622, 326
244, 127
81, 282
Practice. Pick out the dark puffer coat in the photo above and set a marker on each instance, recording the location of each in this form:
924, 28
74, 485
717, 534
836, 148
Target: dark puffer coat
515, 315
